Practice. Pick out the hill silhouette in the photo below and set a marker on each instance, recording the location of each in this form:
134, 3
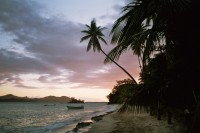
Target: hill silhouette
13, 98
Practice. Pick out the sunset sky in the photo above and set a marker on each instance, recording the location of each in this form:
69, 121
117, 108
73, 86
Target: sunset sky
41, 53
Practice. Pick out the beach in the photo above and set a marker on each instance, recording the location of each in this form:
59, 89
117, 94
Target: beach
134, 123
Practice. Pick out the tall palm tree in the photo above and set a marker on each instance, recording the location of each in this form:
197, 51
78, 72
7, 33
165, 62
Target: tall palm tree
94, 34
157, 16
171, 21
165, 25
134, 29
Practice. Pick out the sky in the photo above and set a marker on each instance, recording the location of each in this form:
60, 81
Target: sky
41, 53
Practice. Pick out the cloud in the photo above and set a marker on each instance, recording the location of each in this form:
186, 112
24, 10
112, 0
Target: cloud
9, 78
12, 62
50, 46
128, 1
118, 8
26, 87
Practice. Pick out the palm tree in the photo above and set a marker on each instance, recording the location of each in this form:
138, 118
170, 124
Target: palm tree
94, 34
157, 16
130, 29
136, 45
164, 23
171, 21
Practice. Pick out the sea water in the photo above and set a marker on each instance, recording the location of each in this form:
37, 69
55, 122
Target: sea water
33, 117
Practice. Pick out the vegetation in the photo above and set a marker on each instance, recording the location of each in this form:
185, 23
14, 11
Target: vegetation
94, 34
163, 34
73, 100
121, 91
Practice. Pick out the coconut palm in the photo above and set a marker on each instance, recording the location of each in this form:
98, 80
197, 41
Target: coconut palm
168, 25
157, 16
94, 34
136, 45
164, 21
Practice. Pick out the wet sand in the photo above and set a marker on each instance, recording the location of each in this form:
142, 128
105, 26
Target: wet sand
134, 123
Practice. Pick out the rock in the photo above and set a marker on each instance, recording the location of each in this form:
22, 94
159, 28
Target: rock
81, 125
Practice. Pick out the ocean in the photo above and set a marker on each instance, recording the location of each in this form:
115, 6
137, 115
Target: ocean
36, 117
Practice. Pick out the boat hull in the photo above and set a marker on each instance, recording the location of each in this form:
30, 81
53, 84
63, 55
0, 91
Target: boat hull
75, 107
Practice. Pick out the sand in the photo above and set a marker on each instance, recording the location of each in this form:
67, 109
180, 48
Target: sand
134, 123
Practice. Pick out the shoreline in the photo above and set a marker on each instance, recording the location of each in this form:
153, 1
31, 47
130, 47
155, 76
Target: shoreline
85, 126
134, 123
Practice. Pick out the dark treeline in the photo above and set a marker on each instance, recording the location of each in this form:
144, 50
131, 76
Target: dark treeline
121, 91
74, 100
163, 34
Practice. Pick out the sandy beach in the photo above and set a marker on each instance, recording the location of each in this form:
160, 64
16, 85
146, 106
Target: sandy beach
134, 123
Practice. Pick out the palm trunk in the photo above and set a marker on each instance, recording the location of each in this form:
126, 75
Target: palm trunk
118, 66
139, 63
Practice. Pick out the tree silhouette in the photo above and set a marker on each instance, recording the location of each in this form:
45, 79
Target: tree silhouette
94, 34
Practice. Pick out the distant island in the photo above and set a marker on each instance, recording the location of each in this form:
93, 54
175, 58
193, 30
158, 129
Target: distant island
62, 99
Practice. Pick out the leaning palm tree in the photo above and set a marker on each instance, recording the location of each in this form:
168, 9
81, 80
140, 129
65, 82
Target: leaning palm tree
94, 34
170, 20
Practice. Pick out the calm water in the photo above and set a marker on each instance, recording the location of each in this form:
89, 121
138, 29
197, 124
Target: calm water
22, 117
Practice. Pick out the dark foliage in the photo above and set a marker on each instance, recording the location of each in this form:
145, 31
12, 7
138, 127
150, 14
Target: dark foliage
169, 80
74, 100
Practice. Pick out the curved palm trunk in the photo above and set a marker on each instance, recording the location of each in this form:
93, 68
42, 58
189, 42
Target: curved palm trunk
118, 66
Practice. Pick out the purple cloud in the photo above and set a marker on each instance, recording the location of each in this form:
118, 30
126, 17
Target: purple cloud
45, 44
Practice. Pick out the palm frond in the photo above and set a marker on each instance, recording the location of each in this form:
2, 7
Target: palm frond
93, 32
86, 31
115, 53
103, 40
89, 45
85, 38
